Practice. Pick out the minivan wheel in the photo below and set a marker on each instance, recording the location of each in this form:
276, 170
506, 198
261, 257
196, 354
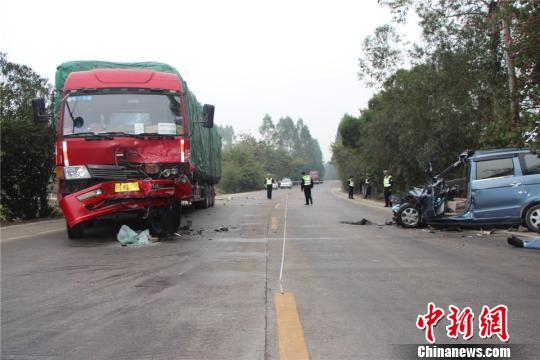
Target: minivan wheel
408, 216
532, 218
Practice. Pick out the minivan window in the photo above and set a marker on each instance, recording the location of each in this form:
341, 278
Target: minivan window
532, 164
494, 168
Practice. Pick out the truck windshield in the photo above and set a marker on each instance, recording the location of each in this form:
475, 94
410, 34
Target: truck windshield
126, 113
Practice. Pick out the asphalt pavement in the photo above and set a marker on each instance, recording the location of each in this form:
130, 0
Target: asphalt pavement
209, 292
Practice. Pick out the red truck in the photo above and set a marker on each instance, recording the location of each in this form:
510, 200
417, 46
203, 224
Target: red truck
131, 138
315, 176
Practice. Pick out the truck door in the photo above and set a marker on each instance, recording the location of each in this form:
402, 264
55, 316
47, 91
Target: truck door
497, 190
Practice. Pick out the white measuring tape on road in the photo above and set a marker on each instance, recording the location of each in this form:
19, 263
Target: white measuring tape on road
284, 240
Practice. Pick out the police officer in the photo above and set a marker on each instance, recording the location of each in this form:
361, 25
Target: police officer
269, 181
305, 186
367, 189
350, 184
388, 185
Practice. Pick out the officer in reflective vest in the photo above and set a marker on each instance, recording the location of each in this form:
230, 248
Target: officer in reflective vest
305, 186
388, 185
269, 181
350, 184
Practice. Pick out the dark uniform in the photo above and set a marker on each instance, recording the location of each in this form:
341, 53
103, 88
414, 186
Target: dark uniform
367, 189
305, 186
350, 183
269, 182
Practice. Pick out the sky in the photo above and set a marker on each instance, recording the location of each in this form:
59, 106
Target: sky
248, 58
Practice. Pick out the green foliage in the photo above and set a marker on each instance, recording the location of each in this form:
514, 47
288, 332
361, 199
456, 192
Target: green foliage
227, 135
285, 150
475, 85
381, 57
241, 169
26, 149
416, 118
330, 172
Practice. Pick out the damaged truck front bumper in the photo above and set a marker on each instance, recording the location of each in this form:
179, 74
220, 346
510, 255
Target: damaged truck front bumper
115, 197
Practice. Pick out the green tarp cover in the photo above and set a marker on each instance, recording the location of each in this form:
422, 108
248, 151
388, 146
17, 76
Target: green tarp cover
205, 143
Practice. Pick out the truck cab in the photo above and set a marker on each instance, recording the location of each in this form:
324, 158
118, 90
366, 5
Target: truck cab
123, 145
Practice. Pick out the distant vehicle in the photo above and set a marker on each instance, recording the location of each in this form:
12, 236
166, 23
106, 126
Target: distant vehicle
502, 187
275, 185
315, 176
286, 183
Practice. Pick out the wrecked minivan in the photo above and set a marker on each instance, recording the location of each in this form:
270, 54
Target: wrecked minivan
501, 187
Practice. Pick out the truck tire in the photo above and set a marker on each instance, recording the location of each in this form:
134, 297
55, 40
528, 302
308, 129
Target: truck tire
532, 218
165, 219
205, 204
212, 196
75, 232
408, 216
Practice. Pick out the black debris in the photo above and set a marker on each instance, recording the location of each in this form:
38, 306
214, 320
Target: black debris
222, 229
360, 222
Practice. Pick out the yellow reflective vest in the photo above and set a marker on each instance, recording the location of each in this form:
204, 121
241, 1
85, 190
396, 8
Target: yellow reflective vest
307, 180
387, 181
269, 181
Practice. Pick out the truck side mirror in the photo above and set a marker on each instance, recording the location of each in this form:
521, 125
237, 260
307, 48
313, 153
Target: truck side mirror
38, 111
208, 116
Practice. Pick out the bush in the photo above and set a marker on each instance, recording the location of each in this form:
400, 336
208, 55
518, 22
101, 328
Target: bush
26, 149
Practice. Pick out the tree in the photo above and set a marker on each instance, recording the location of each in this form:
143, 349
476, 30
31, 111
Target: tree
241, 170
227, 135
382, 57
499, 36
285, 150
420, 115
26, 149
268, 130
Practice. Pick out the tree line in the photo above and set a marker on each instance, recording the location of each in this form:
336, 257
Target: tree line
26, 150
472, 84
284, 149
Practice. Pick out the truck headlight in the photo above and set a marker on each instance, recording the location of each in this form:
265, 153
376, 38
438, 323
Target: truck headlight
76, 172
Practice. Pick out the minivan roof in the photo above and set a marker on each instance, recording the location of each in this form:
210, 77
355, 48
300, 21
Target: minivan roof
479, 154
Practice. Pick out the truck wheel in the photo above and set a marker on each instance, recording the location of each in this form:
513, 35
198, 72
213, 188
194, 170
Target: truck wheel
212, 196
408, 216
205, 204
532, 218
75, 232
164, 220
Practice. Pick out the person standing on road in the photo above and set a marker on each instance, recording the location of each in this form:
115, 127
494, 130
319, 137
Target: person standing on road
350, 185
269, 181
388, 185
305, 186
367, 189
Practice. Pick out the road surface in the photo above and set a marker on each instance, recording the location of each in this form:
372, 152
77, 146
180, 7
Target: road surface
211, 292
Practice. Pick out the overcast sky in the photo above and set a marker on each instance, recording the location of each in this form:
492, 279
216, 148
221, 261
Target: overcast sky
248, 58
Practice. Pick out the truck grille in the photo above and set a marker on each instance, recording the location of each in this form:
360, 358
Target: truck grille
112, 172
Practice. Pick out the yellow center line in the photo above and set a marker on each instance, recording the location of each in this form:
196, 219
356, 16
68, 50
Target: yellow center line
292, 344
274, 223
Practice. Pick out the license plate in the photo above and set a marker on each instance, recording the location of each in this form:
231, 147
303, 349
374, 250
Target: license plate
124, 187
